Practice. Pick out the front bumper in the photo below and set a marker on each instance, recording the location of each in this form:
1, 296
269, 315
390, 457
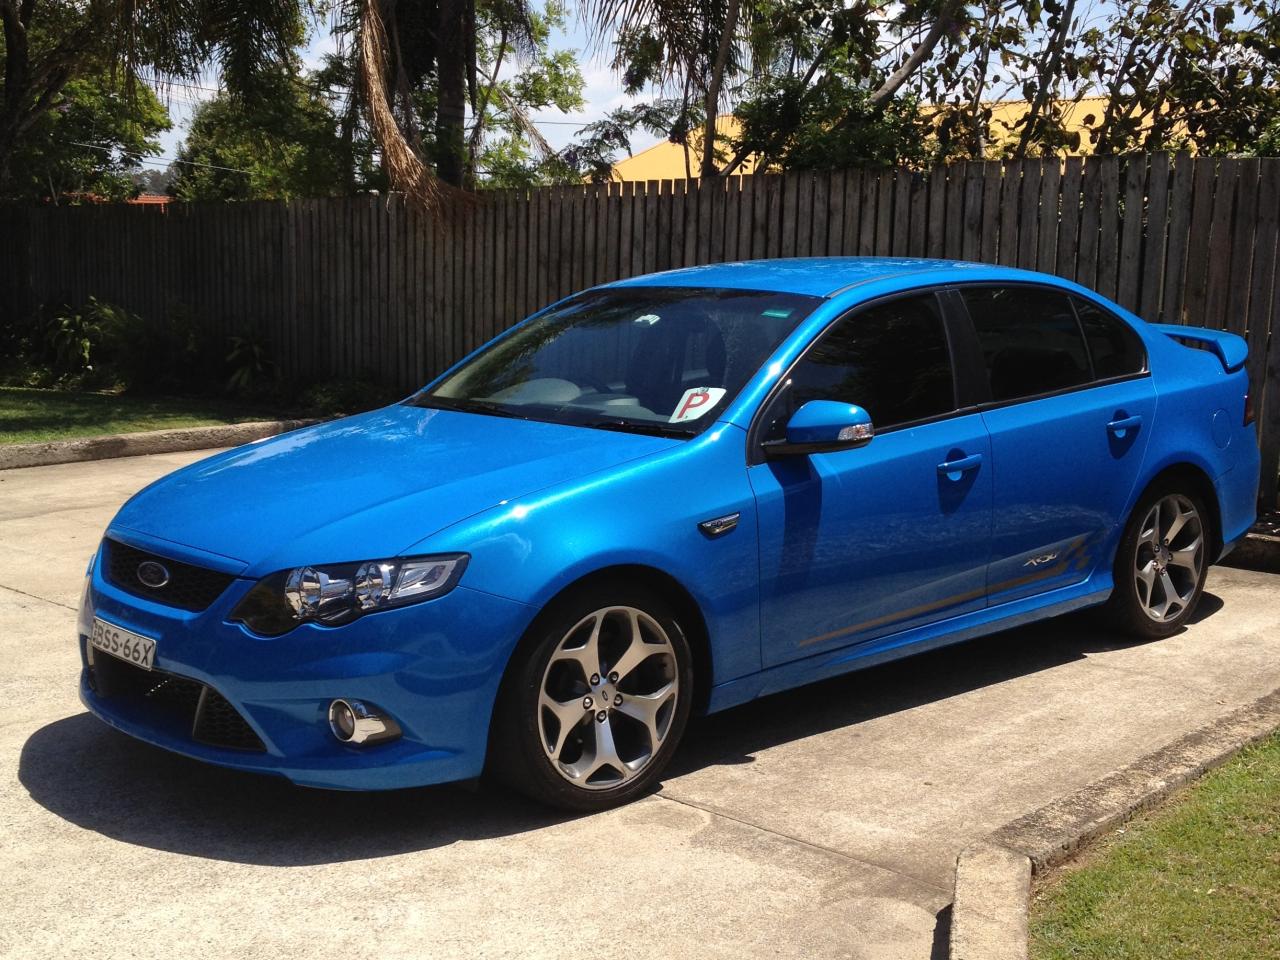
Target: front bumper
434, 667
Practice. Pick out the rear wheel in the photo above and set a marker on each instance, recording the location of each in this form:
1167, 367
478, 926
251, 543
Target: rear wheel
1161, 563
596, 700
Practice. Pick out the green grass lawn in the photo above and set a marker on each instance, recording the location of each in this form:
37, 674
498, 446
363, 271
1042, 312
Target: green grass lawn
32, 416
1198, 878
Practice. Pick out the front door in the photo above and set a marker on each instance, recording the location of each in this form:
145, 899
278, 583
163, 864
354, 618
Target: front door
861, 543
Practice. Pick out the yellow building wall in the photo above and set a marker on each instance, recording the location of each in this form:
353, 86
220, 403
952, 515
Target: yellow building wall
666, 160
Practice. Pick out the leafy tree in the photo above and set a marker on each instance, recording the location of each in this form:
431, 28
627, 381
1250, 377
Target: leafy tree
830, 125
286, 145
1175, 74
504, 147
795, 68
89, 145
50, 43
829, 82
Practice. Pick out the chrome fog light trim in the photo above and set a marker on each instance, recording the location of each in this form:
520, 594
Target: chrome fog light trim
358, 723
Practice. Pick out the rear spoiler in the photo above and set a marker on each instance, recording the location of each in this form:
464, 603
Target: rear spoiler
1231, 349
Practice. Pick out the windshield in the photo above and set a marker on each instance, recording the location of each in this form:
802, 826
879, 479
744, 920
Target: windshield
662, 360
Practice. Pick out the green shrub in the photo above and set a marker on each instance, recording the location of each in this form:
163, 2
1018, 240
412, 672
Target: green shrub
250, 365
102, 345
80, 344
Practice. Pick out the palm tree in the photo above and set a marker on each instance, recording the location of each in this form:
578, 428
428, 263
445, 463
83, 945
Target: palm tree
405, 43
691, 47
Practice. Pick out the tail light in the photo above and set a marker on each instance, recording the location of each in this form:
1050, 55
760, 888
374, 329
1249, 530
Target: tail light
1248, 408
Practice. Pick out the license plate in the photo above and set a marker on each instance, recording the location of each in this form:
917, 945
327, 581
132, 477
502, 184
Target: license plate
128, 646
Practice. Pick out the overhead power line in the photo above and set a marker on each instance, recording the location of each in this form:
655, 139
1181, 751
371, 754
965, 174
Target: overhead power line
338, 94
159, 161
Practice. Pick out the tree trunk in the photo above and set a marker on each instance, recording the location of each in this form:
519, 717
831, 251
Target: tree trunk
917, 58
1048, 74
712, 102
17, 81
451, 107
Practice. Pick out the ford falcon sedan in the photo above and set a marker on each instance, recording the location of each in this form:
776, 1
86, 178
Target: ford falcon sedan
670, 494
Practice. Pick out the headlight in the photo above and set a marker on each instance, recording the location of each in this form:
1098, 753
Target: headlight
338, 593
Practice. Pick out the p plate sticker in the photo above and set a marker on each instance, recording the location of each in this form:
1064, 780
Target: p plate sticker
696, 402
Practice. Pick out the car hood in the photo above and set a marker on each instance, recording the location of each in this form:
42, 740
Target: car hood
365, 487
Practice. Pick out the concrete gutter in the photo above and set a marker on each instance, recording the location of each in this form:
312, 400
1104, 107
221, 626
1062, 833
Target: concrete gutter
139, 444
993, 876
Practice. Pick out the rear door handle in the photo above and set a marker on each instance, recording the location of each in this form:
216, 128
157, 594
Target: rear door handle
1125, 424
955, 469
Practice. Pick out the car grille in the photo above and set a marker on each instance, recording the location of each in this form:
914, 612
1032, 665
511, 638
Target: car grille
189, 588
187, 705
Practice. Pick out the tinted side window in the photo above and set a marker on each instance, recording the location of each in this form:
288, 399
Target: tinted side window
1114, 346
1029, 338
891, 359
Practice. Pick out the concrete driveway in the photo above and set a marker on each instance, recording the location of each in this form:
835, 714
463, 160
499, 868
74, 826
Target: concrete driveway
818, 823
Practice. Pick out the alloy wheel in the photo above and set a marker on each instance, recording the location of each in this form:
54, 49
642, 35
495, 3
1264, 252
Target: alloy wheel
608, 697
1169, 558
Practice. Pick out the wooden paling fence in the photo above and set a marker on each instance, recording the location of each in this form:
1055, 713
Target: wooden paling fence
365, 286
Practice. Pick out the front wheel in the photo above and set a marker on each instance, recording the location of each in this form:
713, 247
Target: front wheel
595, 702
1161, 564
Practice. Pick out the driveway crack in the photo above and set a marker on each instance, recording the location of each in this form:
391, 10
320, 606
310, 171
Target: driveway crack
33, 596
808, 843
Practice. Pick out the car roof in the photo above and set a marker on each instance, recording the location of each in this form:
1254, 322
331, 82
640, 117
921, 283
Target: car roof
824, 276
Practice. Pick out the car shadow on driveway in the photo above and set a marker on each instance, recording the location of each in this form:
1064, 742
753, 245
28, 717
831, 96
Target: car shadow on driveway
734, 736
101, 780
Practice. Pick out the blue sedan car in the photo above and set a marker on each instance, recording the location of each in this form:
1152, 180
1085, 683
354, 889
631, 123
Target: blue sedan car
674, 493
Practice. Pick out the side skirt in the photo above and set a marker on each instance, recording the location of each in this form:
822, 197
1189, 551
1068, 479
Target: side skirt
896, 646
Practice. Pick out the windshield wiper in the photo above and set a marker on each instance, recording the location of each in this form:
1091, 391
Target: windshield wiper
467, 406
637, 426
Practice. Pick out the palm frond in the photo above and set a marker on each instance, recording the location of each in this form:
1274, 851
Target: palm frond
408, 174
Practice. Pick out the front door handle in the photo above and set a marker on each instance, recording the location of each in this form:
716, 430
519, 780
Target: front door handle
955, 469
1123, 425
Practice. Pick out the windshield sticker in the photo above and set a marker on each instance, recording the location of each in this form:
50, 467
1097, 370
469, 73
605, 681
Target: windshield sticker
777, 313
649, 318
696, 402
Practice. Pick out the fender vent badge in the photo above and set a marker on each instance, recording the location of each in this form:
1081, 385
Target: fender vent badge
720, 525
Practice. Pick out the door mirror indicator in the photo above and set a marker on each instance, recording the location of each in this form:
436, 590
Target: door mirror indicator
823, 426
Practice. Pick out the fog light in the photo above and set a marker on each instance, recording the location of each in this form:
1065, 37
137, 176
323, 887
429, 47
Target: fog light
342, 720
357, 722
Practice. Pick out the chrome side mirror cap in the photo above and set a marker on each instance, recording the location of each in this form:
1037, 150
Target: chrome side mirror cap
822, 426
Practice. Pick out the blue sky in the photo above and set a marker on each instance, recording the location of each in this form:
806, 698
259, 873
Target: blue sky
602, 93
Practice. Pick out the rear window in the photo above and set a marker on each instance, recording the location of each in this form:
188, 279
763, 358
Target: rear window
1114, 346
1030, 340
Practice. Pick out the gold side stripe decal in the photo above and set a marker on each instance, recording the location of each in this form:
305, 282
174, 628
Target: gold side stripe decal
1074, 554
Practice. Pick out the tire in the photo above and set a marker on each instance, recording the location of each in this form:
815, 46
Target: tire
595, 700
1159, 578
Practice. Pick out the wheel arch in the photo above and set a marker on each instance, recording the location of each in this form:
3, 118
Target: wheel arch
686, 609
1197, 481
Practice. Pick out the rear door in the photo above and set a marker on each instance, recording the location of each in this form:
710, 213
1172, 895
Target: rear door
857, 544
1070, 411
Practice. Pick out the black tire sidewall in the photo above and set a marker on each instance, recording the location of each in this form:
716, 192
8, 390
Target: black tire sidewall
519, 758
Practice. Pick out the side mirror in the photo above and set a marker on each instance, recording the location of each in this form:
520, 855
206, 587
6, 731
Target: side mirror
821, 426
